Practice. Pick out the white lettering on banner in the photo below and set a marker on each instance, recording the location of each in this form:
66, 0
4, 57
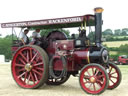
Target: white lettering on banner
14, 24
68, 20
43, 22
37, 23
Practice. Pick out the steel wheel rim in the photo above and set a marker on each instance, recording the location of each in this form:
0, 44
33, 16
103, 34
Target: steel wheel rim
113, 76
23, 77
92, 87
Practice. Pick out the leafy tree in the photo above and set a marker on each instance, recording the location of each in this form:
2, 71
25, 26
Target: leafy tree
117, 32
5, 46
107, 32
124, 31
91, 36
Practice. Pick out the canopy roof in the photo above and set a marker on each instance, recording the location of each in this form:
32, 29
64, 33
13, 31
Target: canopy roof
54, 23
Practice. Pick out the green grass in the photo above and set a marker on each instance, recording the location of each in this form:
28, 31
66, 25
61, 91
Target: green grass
120, 36
115, 43
113, 52
117, 53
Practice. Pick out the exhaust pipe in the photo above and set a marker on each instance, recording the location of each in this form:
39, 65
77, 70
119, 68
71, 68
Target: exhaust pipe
98, 26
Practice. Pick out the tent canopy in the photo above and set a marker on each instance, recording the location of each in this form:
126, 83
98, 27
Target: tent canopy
54, 23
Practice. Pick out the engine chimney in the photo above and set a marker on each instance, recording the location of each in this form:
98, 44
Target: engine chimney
98, 26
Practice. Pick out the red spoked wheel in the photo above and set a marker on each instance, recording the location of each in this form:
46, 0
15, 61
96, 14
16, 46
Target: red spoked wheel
29, 67
90, 80
115, 76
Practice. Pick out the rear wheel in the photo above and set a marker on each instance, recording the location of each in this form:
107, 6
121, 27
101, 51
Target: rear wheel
114, 76
90, 80
29, 67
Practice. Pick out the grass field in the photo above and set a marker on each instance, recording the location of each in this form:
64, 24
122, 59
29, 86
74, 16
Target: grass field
113, 52
120, 36
115, 43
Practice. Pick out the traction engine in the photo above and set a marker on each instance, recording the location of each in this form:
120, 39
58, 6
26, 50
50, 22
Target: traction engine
57, 57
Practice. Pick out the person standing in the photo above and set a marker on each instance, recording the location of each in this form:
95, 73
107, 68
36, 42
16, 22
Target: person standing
24, 38
36, 35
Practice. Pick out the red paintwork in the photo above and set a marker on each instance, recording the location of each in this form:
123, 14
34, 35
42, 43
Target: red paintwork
74, 56
58, 65
52, 37
80, 55
60, 44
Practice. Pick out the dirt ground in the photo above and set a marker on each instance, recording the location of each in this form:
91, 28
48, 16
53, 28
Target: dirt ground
8, 87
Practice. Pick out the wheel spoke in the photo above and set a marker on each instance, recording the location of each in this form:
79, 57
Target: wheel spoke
19, 65
21, 75
37, 72
27, 56
94, 86
112, 73
36, 77
37, 58
93, 71
25, 77
41, 63
30, 54
99, 83
32, 77
23, 57
22, 69
88, 73
87, 82
113, 77
96, 72
100, 76
42, 69
110, 70
86, 77
22, 61
111, 80
28, 79
34, 57
90, 86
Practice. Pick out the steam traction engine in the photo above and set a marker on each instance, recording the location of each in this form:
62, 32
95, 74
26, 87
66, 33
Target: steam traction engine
56, 58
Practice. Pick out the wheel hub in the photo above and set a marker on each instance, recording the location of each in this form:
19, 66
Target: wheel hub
28, 67
92, 79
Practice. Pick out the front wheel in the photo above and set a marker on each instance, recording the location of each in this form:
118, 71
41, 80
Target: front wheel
93, 79
114, 76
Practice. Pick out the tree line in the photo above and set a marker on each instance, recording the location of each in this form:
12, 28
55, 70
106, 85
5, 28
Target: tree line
110, 35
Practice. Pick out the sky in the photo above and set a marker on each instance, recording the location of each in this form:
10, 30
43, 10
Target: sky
115, 15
